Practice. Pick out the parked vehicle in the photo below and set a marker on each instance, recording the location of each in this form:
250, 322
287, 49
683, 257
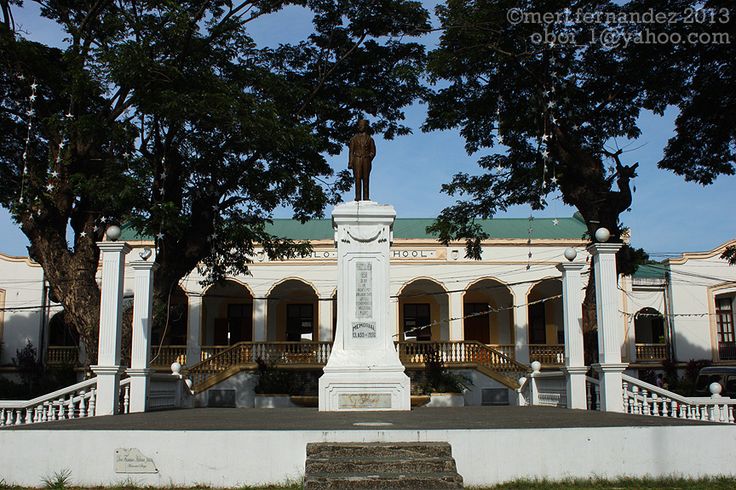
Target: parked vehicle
724, 375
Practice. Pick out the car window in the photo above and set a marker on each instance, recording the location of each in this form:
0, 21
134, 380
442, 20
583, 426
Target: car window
704, 381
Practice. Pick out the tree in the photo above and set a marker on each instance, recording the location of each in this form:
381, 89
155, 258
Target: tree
704, 144
168, 116
559, 90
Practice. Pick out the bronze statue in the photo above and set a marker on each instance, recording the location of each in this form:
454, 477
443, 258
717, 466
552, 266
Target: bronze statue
362, 150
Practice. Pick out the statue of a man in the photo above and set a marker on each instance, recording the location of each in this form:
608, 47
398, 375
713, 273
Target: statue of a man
362, 150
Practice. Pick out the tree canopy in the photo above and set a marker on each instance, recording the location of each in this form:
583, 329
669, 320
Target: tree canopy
170, 117
559, 92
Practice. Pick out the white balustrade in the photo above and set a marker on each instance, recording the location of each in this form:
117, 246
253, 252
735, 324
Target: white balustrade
72, 402
641, 398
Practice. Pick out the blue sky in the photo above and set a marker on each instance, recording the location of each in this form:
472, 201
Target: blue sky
668, 215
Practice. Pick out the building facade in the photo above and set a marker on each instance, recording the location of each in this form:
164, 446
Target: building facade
679, 310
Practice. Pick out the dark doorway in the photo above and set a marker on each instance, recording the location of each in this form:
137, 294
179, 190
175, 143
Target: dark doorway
299, 322
417, 315
477, 326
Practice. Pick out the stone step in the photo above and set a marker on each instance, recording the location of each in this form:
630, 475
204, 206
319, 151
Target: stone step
399, 465
383, 481
379, 465
384, 450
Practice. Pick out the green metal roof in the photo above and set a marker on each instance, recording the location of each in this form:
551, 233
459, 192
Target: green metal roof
650, 271
416, 228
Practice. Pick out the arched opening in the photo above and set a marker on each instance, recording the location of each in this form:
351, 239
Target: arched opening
545, 313
649, 335
292, 312
63, 341
423, 304
488, 314
62, 334
649, 326
227, 314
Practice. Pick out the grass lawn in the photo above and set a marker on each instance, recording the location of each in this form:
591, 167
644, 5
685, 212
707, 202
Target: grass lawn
718, 483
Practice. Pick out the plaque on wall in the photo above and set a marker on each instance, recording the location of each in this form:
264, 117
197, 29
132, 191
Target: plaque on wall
364, 330
362, 401
363, 290
131, 460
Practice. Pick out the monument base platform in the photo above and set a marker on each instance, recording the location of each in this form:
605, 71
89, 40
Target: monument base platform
364, 390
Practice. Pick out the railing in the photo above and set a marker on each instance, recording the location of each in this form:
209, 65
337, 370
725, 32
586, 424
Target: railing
317, 353
546, 389
462, 352
246, 353
211, 350
547, 354
726, 351
124, 398
651, 352
509, 350
73, 402
62, 355
642, 398
168, 354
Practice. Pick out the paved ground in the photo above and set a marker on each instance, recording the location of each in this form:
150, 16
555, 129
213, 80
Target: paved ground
311, 419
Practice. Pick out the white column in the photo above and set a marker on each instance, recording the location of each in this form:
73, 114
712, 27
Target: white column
572, 312
260, 324
108, 368
194, 328
456, 313
139, 370
610, 330
325, 318
521, 324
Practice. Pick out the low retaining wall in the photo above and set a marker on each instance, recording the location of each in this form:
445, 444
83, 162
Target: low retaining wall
236, 457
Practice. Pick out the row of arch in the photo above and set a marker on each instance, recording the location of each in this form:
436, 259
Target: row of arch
489, 314
423, 309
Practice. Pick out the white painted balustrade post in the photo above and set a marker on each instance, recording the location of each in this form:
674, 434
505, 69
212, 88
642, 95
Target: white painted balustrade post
108, 368
610, 329
533, 388
572, 310
139, 371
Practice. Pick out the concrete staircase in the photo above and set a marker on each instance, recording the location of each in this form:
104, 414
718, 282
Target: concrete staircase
412, 465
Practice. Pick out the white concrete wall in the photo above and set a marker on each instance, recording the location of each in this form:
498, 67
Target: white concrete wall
242, 383
484, 457
695, 280
22, 282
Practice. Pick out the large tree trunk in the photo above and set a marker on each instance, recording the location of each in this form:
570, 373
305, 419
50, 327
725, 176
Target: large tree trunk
71, 276
585, 186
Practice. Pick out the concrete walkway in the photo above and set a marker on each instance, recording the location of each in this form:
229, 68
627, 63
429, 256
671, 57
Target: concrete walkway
199, 419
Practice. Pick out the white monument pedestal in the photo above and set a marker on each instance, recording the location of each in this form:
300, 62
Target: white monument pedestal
363, 372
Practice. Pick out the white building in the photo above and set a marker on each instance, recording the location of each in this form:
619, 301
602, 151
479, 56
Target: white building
509, 301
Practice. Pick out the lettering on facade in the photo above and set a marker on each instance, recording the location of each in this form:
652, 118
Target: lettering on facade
358, 401
131, 460
363, 290
398, 254
364, 330
413, 254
